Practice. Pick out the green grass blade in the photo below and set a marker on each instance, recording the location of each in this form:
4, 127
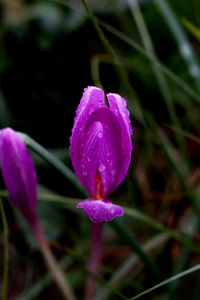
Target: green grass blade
195, 31
129, 41
138, 111
53, 161
186, 134
125, 268
128, 239
136, 214
185, 48
36, 288
5, 242
66, 202
148, 45
167, 281
5, 114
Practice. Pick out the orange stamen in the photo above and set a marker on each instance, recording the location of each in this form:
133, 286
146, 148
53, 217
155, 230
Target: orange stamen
98, 186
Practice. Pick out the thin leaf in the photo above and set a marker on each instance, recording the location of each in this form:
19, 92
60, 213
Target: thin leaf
167, 281
136, 214
180, 37
195, 31
138, 112
129, 239
36, 288
128, 265
149, 47
53, 161
5, 241
129, 41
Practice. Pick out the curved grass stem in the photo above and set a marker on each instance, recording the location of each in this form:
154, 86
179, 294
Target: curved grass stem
5, 241
52, 265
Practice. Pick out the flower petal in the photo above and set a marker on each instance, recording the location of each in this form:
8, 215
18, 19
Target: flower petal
108, 160
92, 99
19, 173
117, 105
100, 143
100, 211
90, 156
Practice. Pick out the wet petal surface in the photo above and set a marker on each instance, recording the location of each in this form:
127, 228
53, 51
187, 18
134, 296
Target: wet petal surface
100, 145
100, 211
18, 172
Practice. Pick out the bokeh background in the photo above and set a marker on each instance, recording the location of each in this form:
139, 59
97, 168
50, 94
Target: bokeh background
147, 51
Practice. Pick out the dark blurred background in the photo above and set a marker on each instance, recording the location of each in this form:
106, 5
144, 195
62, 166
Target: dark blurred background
49, 52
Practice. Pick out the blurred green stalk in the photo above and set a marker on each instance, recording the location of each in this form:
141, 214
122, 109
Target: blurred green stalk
180, 37
5, 241
148, 45
139, 111
167, 281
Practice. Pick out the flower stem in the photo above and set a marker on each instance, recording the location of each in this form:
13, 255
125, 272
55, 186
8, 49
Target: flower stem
94, 259
5, 240
52, 265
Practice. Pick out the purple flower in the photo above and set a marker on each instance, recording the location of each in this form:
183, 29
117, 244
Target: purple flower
100, 150
19, 174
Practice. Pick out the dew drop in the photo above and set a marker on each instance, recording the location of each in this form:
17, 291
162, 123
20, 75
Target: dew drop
102, 168
100, 134
84, 172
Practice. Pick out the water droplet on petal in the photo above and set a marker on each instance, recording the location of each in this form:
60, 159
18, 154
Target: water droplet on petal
102, 168
100, 134
113, 173
84, 172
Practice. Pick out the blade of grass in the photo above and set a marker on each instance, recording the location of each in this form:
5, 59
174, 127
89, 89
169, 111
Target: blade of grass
180, 37
167, 281
196, 7
129, 239
148, 45
130, 212
139, 112
5, 114
129, 265
53, 161
5, 242
178, 165
129, 41
158, 226
195, 31
37, 287
184, 133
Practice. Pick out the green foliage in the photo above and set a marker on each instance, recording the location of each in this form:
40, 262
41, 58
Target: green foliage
147, 51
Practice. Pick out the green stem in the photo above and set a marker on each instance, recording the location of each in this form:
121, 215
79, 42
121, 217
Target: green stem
5, 240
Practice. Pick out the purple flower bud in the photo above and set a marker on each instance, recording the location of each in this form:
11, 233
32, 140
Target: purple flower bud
19, 174
100, 150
